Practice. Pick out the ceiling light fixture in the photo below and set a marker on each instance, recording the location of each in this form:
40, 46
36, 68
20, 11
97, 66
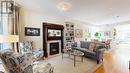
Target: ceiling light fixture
64, 6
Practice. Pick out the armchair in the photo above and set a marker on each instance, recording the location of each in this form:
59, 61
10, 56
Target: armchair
22, 63
27, 47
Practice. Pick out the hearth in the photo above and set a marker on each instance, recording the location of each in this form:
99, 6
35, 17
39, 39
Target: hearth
54, 48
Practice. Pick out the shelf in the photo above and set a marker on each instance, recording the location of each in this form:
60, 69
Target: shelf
69, 35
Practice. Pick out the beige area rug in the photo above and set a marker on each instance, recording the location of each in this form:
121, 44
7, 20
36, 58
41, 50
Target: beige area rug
66, 65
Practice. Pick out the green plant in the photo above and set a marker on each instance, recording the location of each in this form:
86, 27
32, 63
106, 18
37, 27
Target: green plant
98, 35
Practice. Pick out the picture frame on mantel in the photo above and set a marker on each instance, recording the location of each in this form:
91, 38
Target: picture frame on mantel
29, 31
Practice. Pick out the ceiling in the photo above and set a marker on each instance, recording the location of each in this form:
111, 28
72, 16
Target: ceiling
97, 12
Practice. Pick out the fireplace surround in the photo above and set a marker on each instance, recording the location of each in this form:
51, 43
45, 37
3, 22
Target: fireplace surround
54, 47
47, 40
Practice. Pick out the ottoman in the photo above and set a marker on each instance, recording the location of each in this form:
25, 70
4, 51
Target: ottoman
41, 67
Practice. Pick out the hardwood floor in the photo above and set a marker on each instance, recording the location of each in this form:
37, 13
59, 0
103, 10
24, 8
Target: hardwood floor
117, 60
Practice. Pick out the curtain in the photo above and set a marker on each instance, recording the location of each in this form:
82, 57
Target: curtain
16, 23
14, 26
11, 26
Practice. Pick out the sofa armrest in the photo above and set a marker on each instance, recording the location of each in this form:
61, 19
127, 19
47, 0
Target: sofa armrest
37, 54
100, 50
99, 53
25, 60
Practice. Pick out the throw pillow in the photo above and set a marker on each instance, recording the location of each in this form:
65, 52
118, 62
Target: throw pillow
92, 46
97, 46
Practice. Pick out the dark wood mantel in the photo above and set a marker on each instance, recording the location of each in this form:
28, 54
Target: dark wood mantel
47, 26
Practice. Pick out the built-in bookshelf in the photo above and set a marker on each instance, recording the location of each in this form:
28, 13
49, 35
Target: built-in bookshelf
69, 34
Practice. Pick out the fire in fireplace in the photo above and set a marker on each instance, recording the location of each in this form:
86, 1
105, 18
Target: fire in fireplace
54, 48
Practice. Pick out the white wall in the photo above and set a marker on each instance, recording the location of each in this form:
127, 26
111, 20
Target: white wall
30, 18
84, 26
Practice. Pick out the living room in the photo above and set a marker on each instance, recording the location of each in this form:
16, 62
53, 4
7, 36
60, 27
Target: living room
64, 36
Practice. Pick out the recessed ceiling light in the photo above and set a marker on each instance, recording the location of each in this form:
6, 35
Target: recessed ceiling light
64, 6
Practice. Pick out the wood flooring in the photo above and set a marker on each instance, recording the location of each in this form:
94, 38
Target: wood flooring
117, 60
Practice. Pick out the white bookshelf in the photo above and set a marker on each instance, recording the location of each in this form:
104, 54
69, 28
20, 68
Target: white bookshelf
69, 34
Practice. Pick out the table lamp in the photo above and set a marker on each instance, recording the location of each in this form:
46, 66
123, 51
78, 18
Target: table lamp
9, 39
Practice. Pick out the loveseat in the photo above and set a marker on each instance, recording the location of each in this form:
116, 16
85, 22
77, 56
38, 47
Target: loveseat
92, 50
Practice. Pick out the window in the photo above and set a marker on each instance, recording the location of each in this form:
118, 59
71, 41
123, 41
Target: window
6, 14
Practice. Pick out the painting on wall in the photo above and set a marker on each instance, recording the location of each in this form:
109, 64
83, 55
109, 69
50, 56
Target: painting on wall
78, 33
54, 33
29, 31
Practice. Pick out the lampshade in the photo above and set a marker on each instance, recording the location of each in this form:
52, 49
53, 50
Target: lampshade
9, 38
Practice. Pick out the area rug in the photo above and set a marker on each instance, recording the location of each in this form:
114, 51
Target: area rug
66, 64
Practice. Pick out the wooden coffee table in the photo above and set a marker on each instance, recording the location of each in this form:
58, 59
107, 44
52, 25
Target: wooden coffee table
77, 53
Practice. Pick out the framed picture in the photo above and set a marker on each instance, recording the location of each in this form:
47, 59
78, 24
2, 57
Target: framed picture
78, 33
29, 31
54, 33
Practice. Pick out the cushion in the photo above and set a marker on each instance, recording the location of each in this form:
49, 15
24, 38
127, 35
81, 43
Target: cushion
85, 50
97, 46
74, 44
92, 46
84, 44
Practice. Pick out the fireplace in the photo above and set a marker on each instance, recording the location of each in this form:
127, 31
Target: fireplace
54, 48
50, 37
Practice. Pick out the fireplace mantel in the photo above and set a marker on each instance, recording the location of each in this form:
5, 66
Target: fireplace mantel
47, 26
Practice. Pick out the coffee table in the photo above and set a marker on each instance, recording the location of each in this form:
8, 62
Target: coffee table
76, 53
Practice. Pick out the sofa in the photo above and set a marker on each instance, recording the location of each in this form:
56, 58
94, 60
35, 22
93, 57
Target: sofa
22, 63
92, 50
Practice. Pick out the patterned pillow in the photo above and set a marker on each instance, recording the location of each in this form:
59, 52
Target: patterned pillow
97, 46
92, 46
